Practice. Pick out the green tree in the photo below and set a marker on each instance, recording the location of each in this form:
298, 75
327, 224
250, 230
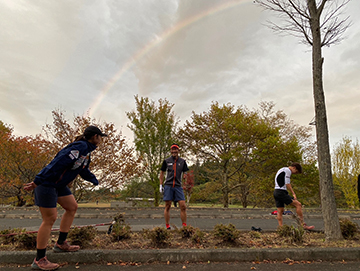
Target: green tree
346, 168
296, 144
317, 23
113, 162
137, 188
154, 129
238, 143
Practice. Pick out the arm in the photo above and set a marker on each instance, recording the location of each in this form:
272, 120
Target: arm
162, 174
161, 177
289, 187
30, 186
88, 176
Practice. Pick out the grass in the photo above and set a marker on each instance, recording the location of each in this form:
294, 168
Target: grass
94, 204
192, 205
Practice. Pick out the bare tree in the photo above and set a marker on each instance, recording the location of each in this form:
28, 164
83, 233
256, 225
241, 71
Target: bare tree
318, 23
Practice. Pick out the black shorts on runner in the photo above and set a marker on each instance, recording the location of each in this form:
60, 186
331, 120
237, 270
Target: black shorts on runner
282, 197
47, 196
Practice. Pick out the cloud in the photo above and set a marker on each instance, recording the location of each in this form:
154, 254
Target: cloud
62, 54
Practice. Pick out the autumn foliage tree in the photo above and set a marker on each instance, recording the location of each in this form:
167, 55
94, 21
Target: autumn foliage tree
188, 185
114, 162
21, 158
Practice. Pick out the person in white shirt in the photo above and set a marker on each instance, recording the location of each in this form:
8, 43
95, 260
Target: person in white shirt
282, 197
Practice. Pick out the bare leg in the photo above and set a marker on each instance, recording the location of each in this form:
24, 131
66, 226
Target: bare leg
279, 215
299, 212
182, 211
48, 219
167, 211
70, 205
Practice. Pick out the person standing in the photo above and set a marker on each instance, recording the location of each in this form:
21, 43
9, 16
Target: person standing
174, 166
51, 187
282, 197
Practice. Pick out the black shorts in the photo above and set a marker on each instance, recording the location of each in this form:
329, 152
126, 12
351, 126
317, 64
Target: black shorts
47, 196
282, 197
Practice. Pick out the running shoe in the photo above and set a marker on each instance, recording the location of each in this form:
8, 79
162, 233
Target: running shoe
44, 264
65, 247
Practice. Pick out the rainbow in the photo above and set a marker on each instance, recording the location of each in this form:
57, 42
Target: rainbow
160, 38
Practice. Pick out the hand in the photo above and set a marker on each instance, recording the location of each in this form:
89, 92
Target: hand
161, 188
30, 186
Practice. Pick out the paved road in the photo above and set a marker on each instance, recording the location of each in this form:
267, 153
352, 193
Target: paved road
234, 266
145, 218
149, 223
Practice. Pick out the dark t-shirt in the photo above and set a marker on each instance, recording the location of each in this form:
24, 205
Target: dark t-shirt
174, 170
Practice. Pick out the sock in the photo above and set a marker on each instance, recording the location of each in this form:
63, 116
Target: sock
62, 238
184, 224
40, 253
167, 225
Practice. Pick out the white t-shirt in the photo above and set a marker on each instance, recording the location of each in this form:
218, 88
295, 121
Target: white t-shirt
282, 178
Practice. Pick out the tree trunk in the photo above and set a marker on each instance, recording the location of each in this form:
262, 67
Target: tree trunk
156, 198
328, 204
226, 192
188, 195
21, 201
244, 196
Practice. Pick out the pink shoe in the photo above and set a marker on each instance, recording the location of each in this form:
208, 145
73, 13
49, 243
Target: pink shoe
65, 247
44, 264
306, 227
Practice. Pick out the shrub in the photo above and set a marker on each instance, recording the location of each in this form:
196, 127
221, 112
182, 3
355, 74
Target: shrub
27, 240
255, 234
11, 235
187, 231
120, 231
228, 233
158, 235
119, 218
348, 228
198, 236
82, 236
295, 234
284, 231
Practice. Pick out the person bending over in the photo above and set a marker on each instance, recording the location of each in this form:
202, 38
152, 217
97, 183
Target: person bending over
282, 197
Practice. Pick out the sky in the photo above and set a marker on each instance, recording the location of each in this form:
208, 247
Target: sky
93, 56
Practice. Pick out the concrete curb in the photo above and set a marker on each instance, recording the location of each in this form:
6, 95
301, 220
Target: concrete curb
190, 255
